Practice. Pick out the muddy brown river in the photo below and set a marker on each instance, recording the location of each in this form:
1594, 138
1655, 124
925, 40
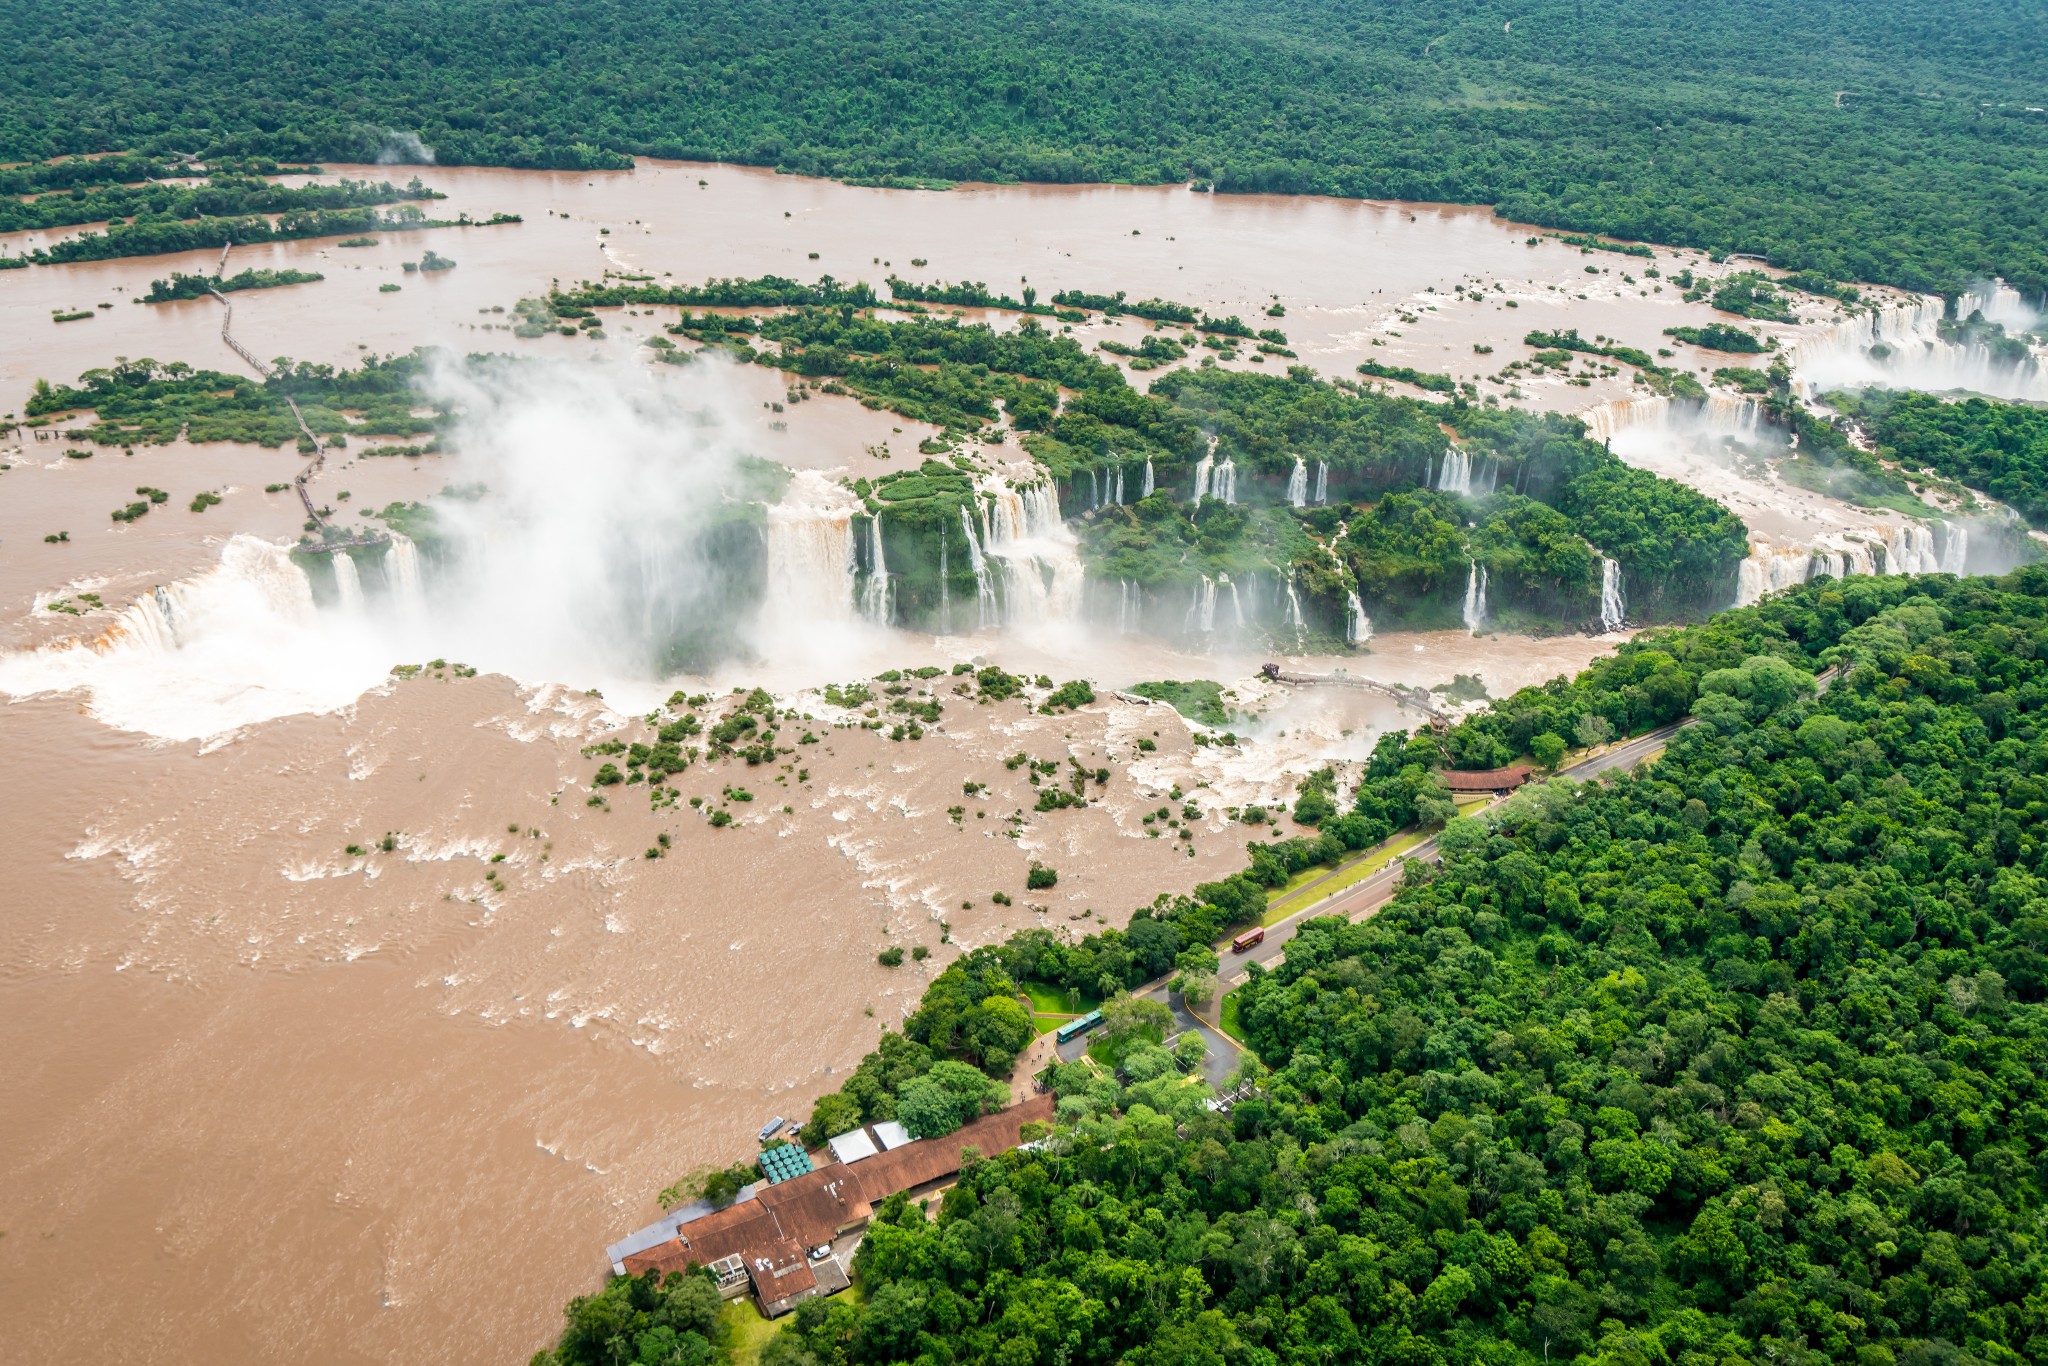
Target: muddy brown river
271, 1100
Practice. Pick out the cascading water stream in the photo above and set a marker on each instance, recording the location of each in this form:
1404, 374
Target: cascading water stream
811, 566
984, 585
1201, 615
1357, 625
1475, 597
348, 583
1322, 483
1297, 484
1202, 469
1148, 478
1613, 610
402, 571
1456, 474
1226, 481
876, 594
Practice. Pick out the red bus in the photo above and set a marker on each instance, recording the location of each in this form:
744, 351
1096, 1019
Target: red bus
1245, 941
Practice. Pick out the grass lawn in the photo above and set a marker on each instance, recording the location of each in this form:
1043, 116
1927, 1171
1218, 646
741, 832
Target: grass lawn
1297, 894
1052, 1007
1047, 1000
746, 1330
1228, 1017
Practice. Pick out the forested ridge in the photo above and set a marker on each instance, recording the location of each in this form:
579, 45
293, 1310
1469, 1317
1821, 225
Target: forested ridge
1717, 125
1737, 1058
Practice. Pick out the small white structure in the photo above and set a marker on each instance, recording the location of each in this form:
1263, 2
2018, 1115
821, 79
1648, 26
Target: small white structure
852, 1147
892, 1134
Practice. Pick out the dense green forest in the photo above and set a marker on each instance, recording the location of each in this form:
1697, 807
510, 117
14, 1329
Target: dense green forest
1999, 448
1895, 140
1737, 1058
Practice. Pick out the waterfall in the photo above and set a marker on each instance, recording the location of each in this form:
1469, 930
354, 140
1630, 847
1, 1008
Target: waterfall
945, 586
1236, 607
1226, 480
238, 644
1202, 468
1297, 484
1456, 474
875, 594
1130, 608
1322, 483
1612, 609
1955, 550
1148, 478
1026, 539
1202, 611
1119, 481
1475, 597
811, 567
984, 584
1294, 613
1094, 491
1909, 549
1357, 625
348, 584
402, 572
1770, 569
1901, 345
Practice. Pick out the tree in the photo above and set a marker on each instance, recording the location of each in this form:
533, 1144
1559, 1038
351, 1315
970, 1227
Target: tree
1125, 1015
1547, 750
946, 1097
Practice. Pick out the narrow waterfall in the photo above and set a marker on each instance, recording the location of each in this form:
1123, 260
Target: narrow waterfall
945, 587
1236, 607
1456, 474
1202, 610
402, 572
1148, 478
1322, 483
1202, 468
1612, 609
1294, 614
348, 584
1130, 608
1119, 481
984, 584
1297, 484
1094, 491
1475, 597
1226, 480
1955, 549
811, 566
875, 594
1357, 625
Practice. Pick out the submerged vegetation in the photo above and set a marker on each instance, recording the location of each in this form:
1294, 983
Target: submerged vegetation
1735, 1057
182, 286
145, 402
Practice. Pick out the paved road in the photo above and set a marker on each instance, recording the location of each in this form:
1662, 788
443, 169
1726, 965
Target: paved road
1362, 898
1367, 895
